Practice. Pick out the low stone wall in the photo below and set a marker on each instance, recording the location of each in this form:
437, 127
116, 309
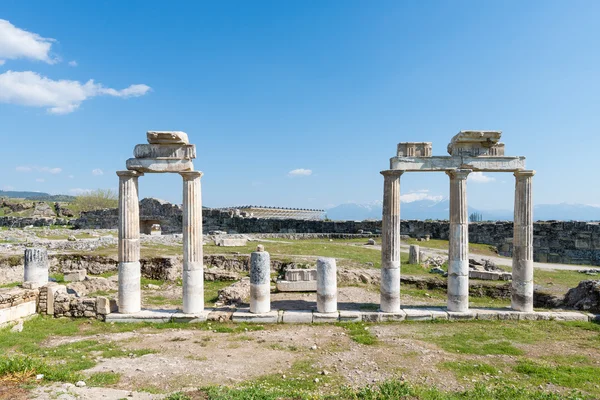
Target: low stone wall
17, 303
22, 222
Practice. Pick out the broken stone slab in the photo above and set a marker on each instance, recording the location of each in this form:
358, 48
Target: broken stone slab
77, 275
436, 312
297, 317
106, 306
167, 137
244, 315
475, 143
485, 314
299, 286
392, 316
158, 165
371, 316
568, 316
417, 314
165, 151
230, 242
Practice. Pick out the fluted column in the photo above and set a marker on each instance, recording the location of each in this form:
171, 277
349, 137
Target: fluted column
390, 243
193, 267
130, 293
522, 273
458, 254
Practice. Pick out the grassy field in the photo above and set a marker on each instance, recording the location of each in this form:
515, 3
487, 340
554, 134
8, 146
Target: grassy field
484, 359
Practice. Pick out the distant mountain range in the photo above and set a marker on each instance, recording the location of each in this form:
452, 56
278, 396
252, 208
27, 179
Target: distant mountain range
39, 196
432, 209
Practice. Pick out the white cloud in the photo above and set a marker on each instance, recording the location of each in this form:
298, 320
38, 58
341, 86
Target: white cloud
27, 168
417, 196
79, 191
8, 187
40, 180
97, 172
300, 172
2, 62
479, 177
73, 63
28, 88
17, 43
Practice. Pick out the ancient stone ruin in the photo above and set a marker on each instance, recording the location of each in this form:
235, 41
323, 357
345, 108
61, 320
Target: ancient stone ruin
470, 151
165, 152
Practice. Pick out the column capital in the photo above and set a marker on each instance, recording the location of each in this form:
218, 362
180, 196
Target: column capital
130, 173
392, 172
190, 175
458, 173
524, 173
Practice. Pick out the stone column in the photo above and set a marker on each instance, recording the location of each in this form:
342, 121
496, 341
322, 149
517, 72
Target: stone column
326, 285
193, 262
130, 293
260, 282
522, 254
458, 254
36, 265
390, 243
414, 254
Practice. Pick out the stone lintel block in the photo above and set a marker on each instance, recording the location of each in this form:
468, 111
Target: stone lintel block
17, 312
444, 163
319, 318
454, 316
417, 314
297, 317
350, 316
392, 316
165, 151
371, 316
298, 286
142, 316
167, 137
298, 274
244, 315
191, 318
77, 275
158, 165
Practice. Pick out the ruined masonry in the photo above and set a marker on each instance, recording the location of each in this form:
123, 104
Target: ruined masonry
469, 151
166, 151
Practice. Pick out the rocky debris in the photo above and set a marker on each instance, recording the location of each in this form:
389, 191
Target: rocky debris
238, 293
91, 285
585, 297
371, 242
484, 265
591, 271
62, 211
435, 261
438, 270
41, 209
18, 327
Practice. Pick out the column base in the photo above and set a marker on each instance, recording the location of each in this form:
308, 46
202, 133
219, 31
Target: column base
130, 289
193, 291
260, 298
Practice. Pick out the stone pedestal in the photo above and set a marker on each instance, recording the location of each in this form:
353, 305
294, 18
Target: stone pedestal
326, 285
414, 254
260, 286
129, 243
458, 254
390, 243
36, 266
522, 273
193, 269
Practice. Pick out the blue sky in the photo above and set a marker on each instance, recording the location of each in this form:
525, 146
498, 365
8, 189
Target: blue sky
264, 88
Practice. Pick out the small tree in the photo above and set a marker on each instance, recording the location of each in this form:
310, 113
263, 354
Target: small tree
95, 200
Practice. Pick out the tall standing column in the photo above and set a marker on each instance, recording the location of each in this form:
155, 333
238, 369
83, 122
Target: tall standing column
458, 254
193, 266
522, 273
390, 243
260, 282
130, 291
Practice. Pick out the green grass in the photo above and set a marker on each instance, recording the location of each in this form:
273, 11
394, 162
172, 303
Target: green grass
570, 376
10, 285
211, 291
359, 332
103, 379
477, 248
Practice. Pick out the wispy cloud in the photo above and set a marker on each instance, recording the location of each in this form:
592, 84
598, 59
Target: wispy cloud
300, 172
40, 180
479, 177
419, 195
29, 88
73, 63
17, 43
97, 172
8, 187
29, 168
